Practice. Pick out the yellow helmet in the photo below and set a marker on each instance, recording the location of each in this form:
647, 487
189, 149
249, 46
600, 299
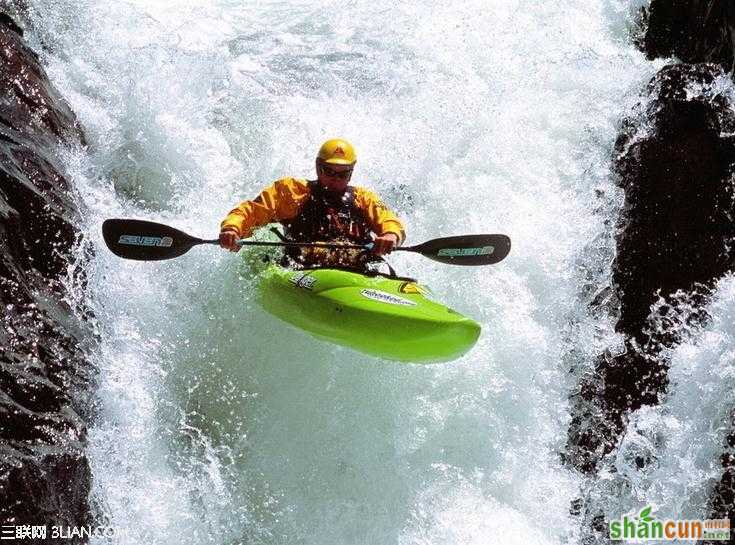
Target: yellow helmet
337, 152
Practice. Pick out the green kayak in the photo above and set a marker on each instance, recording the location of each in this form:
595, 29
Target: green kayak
382, 316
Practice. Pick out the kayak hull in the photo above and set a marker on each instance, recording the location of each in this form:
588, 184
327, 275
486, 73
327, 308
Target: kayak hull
377, 315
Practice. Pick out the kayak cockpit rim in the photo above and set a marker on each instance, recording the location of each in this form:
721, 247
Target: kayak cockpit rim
356, 270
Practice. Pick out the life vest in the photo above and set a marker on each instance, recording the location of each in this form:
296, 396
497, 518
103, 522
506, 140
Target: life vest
325, 218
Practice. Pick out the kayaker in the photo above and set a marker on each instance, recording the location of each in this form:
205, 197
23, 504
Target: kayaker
327, 209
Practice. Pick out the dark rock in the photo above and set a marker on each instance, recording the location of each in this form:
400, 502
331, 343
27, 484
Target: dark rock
8, 21
678, 211
675, 162
45, 379
699, 31
695, 31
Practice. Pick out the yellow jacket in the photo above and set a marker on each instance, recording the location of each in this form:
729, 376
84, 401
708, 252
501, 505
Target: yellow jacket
283, 201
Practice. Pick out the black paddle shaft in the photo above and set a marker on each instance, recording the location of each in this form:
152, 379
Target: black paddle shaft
150, 241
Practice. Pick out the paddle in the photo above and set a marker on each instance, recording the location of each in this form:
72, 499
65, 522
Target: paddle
149, 241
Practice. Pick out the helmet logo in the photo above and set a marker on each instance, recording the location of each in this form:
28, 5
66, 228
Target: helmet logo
339, 151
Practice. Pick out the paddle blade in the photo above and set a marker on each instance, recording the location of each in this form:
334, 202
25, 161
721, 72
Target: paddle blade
465, 250
145, 240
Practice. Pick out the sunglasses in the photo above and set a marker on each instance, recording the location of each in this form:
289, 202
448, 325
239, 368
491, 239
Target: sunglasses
341, 174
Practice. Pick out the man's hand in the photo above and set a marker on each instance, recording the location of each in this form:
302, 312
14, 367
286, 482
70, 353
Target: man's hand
385, 244
228, 239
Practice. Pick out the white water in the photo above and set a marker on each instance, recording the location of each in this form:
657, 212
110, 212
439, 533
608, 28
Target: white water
220, 425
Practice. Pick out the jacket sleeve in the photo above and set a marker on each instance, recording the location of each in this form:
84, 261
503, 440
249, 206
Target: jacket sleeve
280, 201
381, 219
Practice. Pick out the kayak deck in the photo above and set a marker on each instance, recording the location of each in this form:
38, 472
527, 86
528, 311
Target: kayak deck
391, 318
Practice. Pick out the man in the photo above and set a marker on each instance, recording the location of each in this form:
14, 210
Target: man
323, 210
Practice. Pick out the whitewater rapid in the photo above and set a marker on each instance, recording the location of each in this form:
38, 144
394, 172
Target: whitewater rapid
221, 425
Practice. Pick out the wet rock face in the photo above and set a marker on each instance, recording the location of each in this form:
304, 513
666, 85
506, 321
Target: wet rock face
696, 31
693, 30
44, 377
675, 163
678, 182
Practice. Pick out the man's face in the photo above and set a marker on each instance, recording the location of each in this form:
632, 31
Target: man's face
333, 178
